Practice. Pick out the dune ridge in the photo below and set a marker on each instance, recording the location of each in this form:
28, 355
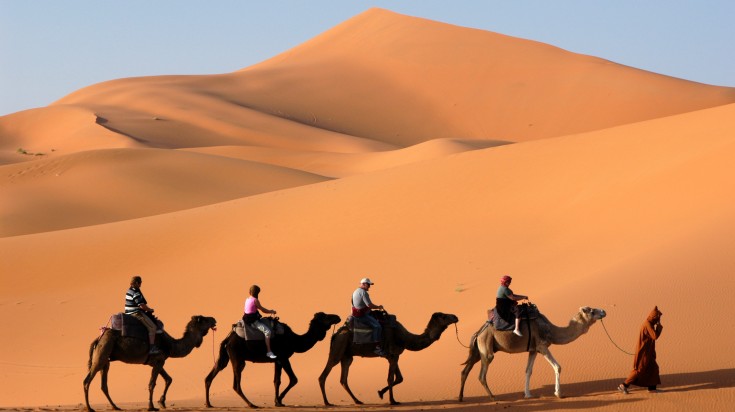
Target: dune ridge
429, 157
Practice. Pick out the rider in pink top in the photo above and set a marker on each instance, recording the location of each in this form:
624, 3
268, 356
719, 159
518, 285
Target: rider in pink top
251, 316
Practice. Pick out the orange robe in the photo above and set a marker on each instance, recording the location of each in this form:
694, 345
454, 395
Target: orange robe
645, 369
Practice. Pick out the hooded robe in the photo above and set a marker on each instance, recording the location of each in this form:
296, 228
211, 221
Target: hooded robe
645, 369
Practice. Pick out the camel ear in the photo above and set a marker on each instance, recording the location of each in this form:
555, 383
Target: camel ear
585, 309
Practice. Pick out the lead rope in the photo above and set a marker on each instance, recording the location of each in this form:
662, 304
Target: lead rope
611, 340
456, 330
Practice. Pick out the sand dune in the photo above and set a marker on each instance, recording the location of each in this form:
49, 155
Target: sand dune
628, 232
347, 164
433, 159
103, 186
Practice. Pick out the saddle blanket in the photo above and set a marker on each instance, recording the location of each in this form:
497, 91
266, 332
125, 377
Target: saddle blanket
250, 332
361, 332
130, 326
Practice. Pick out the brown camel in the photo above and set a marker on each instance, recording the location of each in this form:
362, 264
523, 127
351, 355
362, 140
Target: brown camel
542, 334
237, 350
395, 340
111, 346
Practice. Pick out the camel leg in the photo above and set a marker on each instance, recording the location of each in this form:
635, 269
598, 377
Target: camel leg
392, 371
151, 386
277, 368
485, 360
399, 379
331, 363
557, 371
167, 378
221, 363
87, 382
103, 377
529, 371
345, 364
237, 372
471, 361
292, 381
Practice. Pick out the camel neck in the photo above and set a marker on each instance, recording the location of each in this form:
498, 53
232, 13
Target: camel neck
415, 342
303, 343
182, 347
563, 335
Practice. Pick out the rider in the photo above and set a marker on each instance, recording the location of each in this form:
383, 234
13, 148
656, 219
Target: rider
506, 302
136, 305
361, 305
252, 316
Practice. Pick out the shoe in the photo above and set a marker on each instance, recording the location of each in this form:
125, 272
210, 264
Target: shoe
654, 391
379, 351
270, 355
623, 389
154, 350
517, 333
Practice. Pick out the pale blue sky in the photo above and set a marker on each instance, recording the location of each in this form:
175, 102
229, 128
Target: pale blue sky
50, 48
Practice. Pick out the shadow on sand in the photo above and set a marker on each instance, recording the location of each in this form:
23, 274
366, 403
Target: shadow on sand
595, 394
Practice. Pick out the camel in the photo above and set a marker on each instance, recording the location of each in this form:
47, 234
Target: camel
112, 346
237, 350
542, 334
395, 341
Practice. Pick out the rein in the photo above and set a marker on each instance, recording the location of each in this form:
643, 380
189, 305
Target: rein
611, 340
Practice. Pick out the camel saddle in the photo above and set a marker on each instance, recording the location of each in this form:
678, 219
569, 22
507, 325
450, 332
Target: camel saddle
362, 332
528, 311
130, 326
250, 332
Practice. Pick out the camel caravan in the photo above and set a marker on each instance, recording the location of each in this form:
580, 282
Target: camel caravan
136, 336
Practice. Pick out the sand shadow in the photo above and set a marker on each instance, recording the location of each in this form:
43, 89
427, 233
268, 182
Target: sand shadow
596, 394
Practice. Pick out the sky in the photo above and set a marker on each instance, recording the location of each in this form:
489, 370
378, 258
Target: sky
50, 48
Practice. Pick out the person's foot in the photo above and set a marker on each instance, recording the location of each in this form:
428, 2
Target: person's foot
270, 355
379, 351
154, 350
623, 389
517, 332
654, 391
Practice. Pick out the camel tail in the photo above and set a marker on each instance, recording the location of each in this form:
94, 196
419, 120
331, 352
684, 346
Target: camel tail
474, 354
224, 357
92, 347
337, 332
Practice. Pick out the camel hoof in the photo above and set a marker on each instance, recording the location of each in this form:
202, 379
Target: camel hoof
559, 395
395, 403
380, 394
152, 409
357, 402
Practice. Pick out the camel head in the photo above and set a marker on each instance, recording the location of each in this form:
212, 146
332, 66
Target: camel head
588, 315
325, 320
439, 323
201, 325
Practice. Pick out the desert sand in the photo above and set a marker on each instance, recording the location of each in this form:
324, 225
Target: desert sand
433, 159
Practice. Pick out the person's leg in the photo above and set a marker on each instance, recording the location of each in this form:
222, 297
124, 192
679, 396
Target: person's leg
148, 323
375, 325
267, 332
